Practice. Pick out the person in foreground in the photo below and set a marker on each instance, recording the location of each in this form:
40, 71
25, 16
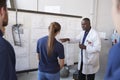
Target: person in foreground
7, 55
90, 46
113, 66
50, 54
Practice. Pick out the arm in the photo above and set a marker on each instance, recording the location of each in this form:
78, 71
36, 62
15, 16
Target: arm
37, 49
61, 56
71, 40
38, 56
64, 39
61, 62
81, 46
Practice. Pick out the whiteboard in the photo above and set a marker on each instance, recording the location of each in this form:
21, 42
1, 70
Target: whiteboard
35, 26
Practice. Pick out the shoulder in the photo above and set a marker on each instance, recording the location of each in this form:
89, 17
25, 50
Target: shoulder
115, 49
43, 39
59, 45
82, 32
114, 52
116, 46
3, 46
94, 32
3, 42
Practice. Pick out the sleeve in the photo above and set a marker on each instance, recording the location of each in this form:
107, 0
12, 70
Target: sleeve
95, 45
61, 54
37, 49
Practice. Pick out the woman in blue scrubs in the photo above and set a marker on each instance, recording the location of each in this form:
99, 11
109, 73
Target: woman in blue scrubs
50, 54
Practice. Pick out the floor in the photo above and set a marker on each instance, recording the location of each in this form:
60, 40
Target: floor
99, 76
33, 75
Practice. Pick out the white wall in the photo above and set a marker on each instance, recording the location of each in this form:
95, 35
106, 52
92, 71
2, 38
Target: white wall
104, 17
99, 11
75, 7
85, 8
27, 4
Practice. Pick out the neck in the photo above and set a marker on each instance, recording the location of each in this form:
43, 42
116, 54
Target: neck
88, 29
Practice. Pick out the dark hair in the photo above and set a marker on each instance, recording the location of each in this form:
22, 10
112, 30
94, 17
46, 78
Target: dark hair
118, 1
3, 3
86, 19
53, 29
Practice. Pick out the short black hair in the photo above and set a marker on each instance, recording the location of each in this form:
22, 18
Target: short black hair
86, 19
3, 3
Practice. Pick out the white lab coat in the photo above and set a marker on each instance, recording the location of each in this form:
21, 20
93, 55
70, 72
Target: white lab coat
91, 53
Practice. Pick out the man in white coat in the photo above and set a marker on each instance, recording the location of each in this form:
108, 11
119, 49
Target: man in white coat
90, 46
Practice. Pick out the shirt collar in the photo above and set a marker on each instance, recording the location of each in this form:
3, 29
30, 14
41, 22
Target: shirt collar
88, 31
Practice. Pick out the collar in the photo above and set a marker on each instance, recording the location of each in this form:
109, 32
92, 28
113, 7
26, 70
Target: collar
1, 34
88, 30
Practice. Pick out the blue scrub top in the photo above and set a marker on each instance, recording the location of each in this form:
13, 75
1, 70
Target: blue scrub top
49, 64
113, 67
7, 60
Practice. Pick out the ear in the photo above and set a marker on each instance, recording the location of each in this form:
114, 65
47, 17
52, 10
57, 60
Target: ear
118, 7
2, 12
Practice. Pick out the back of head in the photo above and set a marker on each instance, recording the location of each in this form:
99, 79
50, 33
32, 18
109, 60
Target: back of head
3, 3
54, 28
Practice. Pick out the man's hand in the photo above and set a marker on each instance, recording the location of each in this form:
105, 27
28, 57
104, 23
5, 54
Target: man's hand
64, 39
81, 46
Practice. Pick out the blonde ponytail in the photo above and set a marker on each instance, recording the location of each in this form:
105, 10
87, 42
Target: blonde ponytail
53, 29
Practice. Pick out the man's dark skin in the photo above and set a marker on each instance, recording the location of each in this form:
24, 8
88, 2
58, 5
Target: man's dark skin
86, 27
